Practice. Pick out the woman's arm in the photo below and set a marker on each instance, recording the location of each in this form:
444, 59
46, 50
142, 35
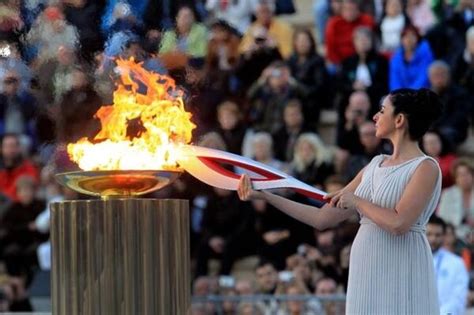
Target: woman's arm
320, 218
414, 200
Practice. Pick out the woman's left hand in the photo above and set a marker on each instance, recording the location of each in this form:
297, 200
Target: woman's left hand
343, 199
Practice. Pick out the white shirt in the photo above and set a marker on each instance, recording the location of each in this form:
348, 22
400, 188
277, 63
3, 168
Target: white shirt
363, 74
452, 281
236, 14
391, 28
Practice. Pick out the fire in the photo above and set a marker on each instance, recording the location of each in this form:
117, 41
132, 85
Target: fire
145, 101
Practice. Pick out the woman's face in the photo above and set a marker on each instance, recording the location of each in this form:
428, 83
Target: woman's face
432, 144
362, 43
409, 41
393, 7
306, 151
185, 19
302, 44
463, 177
384, 120
295, 307
262, 150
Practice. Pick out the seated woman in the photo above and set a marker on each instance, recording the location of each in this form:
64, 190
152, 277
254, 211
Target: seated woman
312, 160
437, 147
457, 202
410, 62
187, 38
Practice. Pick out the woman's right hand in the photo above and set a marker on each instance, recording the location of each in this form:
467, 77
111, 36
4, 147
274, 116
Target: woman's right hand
245, 190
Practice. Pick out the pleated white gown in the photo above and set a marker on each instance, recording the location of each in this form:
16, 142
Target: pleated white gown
391, 274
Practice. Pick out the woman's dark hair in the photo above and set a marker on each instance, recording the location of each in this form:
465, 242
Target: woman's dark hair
422, 108
309, 35
434, 219
413, 29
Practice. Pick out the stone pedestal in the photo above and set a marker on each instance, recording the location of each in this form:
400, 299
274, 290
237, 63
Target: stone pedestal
120, 256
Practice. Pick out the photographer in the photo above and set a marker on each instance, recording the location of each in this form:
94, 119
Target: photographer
259, 53
279, 33
356, 113
270, 94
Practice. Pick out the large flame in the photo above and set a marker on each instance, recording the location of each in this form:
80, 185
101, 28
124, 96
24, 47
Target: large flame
158, 113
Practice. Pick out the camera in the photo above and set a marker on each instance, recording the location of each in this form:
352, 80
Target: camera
226, 282
286, 276
276, 73
260, 40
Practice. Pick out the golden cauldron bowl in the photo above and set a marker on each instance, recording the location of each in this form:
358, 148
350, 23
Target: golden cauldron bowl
119, 183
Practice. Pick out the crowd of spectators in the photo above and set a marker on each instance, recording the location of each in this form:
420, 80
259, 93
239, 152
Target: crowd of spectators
256, 86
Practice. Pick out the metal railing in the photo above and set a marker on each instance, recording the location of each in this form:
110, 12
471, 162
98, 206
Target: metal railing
268, 304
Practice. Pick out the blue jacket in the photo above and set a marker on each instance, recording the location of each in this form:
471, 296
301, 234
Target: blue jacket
413, 74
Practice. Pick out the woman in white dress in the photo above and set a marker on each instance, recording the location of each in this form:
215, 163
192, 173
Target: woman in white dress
391, 265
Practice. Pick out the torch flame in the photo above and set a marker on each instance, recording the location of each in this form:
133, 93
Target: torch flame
158, 112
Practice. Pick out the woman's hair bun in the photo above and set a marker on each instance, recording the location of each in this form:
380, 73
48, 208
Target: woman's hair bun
423, 108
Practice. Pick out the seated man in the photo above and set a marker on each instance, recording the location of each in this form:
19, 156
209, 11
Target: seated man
451, 274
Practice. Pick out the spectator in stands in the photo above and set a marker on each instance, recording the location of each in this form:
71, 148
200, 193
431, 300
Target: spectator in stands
80, 13
451, 274
54, 75
269, 95
410, 62
284, 139
372, 146
17, 107
308, 68
230, 127
340, 28
454, 122
222, 55
434, 145
236, 13
11, 59
202, 96
356, 112
159, 14
50, 31
463, 17
294, 307
312, 160
244, 287
457, 202
420, 15
463, 68
122, 15
259, 54
246, 308
262, 144
202, 287
391, 26
327, 287
276, 32
77, 109
188, 37
278, 235
14, 166
14, 290
19, 241
454, 244
366, 70
266, 276
300, 266
227, 231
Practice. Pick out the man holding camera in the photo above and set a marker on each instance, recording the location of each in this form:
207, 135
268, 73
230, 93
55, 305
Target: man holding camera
276, 33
